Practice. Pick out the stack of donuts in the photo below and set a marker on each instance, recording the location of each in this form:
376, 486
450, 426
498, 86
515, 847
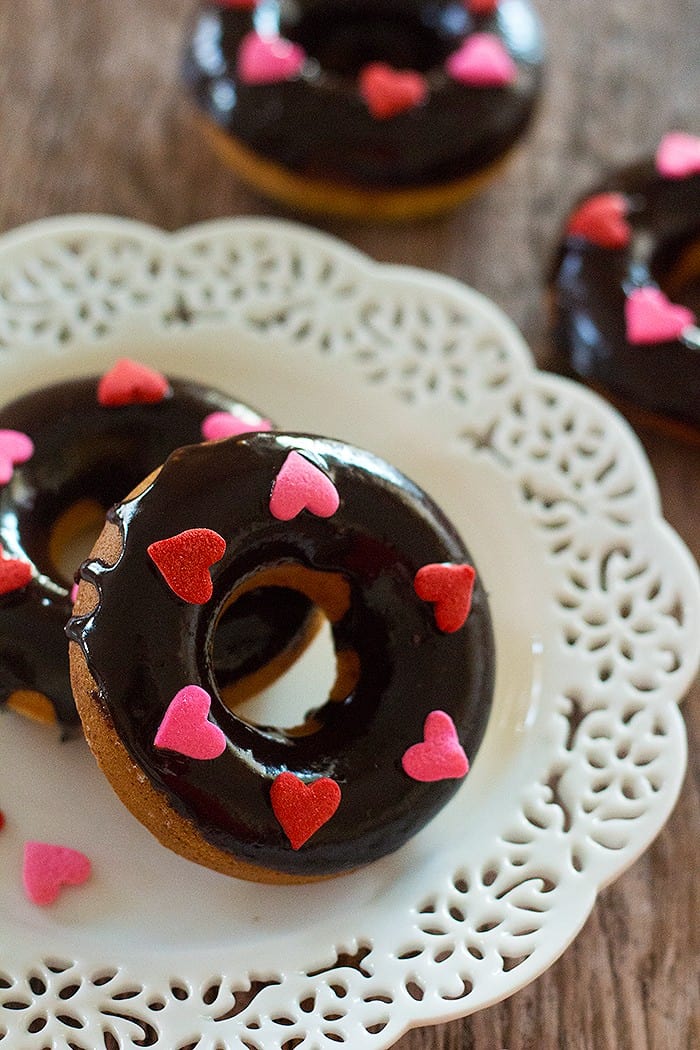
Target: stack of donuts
222, 544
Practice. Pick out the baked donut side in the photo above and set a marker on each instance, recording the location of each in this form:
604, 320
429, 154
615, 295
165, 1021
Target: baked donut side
71, 450
630, 252
371, 765
370, 109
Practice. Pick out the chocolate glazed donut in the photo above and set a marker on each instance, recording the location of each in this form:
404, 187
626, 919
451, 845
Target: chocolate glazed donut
85, 456
631, 249
379, 108
358, 777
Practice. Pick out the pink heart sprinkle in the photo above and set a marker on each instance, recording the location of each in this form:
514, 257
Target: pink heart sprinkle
302, 486
185, 727
439, 756
651, 317
15, 447
482, 61
47, 868
268, 59
131, 383
678, 155
226, 424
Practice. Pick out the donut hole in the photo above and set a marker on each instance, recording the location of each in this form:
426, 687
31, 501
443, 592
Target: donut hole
305, 676
73, 535
288, 704
345, 37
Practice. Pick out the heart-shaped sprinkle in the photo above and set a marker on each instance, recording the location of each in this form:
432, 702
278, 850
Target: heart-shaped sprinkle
303, 808
268, 59
14, 574
2, 820
15, 447
482, 61
439, 756
185, 727
602, 220
184, 561
300, 485
651, 317
388, 91
131, 383
47, 868
449, 586
678, 155
481, 7
226, 424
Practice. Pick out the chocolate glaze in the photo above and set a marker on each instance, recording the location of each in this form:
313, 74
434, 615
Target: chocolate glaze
85, 451
385, 530
590, 284
318, 126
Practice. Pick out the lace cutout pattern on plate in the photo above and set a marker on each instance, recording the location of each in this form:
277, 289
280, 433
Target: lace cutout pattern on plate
620, 589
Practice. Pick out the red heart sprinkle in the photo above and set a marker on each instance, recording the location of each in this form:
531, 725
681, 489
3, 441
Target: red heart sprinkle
15, 447
602, 220
652, 318
184, 562
678, 155
185, 727
131, 383
439, 756
303, 808
449, 586
388, 91
2, 820
14, 574
481, 7
300, 485
47, 868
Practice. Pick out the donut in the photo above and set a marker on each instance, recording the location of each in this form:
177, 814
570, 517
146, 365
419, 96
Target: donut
369, 109
67, 452
630, 252
366, 768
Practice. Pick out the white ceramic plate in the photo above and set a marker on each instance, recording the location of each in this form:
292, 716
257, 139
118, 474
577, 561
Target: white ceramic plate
596, 605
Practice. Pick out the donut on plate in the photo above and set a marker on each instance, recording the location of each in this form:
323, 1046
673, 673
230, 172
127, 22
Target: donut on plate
371, 109
414, 650
67, 453
630, 255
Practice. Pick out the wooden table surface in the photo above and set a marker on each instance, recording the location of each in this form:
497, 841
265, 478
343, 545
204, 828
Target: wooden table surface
92, 120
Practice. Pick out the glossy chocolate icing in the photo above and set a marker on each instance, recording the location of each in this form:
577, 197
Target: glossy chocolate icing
590, 285
84, 451
316, 125
384, 531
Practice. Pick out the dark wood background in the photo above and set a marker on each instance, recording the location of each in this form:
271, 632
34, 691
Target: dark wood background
92, 120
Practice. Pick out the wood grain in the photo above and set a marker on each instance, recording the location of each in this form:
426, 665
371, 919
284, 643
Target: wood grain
92, 119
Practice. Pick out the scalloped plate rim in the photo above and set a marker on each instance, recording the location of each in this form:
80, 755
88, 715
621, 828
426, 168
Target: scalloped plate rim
23, 237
